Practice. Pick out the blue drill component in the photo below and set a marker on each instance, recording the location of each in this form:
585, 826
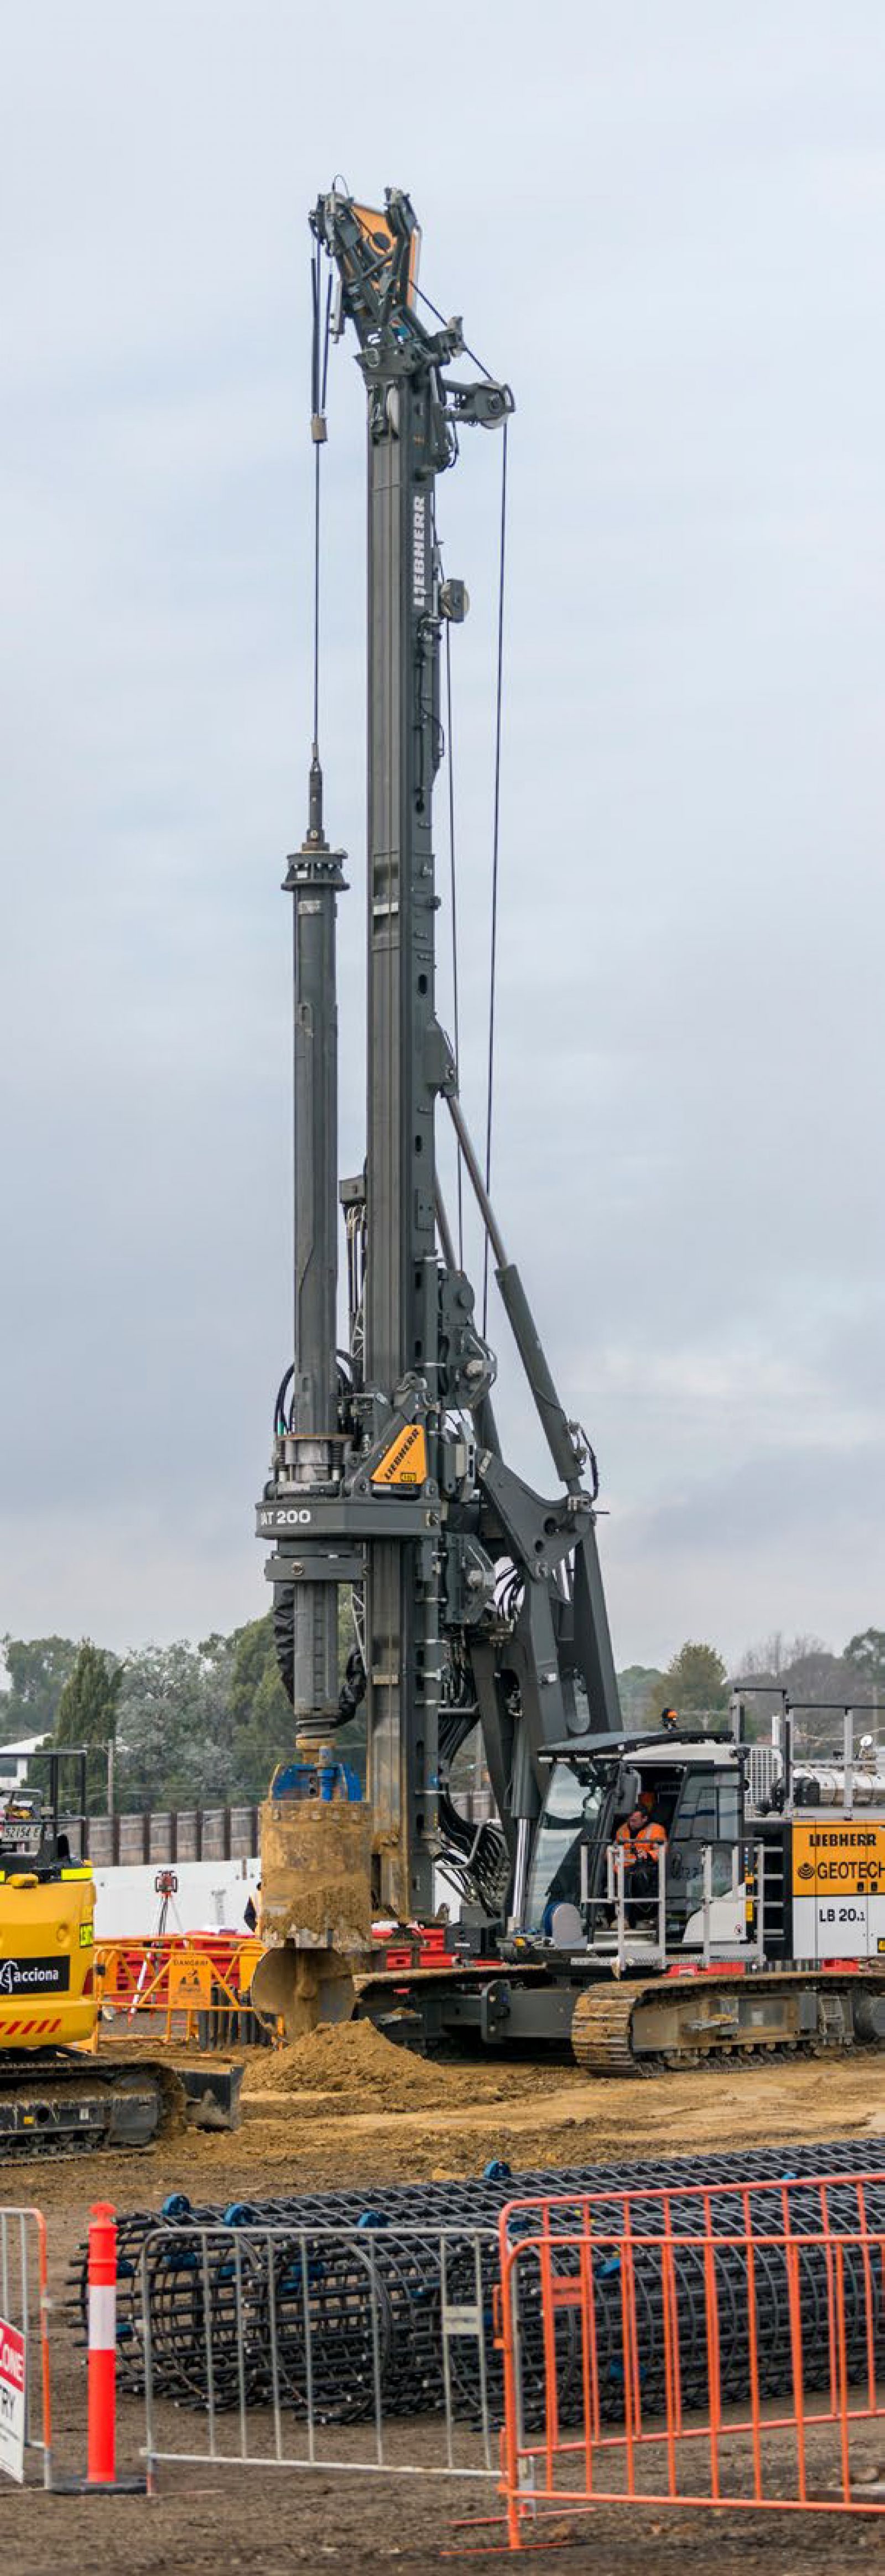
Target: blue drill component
326, 1779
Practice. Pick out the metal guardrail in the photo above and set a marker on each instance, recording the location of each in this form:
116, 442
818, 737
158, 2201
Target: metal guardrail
24, 2306
635, 1927
305, 2347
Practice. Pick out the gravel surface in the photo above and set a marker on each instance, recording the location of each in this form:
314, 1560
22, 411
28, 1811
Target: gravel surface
267, 2521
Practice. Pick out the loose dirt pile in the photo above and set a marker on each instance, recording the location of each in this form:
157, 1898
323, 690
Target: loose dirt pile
354, 2062
348, 2057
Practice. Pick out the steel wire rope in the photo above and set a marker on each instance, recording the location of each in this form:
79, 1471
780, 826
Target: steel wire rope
453, 893
496, 827
394, 1576
465, 344
319, 371
453, 884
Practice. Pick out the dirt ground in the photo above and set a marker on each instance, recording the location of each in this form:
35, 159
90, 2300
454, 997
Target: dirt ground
313, 2123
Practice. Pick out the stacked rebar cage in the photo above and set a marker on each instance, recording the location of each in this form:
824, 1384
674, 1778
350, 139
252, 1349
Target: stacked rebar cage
339, 2304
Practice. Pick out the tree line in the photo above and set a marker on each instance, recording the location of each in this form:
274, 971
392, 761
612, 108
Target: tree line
206, 1724
191, 1725
818, 1682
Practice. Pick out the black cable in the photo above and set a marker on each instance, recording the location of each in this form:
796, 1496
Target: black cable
453, 881
327, 340
315, 334
468, 352
493, 955
279, 1412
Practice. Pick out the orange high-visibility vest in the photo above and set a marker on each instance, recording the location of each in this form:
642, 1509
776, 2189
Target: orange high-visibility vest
640, 1846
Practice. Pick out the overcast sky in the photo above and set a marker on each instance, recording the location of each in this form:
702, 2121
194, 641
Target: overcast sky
665, 225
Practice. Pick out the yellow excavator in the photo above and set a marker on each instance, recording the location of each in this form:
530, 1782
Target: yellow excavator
55, 2097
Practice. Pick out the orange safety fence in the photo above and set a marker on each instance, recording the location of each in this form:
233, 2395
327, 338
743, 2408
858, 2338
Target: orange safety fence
699, 2345
185, 1987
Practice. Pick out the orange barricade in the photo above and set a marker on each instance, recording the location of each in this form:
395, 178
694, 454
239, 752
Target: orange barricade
699, 2345
183, 1987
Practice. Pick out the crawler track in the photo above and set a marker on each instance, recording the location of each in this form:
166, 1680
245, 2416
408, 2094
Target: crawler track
636, 2026
55, 2103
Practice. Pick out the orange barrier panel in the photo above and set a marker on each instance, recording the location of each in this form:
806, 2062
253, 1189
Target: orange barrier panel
194, 1987
692, 2346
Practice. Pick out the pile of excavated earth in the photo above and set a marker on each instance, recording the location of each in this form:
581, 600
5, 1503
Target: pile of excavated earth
354, 2059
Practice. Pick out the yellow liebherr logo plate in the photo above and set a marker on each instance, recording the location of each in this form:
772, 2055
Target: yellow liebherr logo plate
405, 1462
834, 1859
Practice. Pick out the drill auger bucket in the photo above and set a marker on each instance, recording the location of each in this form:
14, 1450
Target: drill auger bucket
316, 1909
303, 1987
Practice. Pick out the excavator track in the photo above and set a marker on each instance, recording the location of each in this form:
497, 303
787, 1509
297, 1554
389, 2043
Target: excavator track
55, 2103
633, 2028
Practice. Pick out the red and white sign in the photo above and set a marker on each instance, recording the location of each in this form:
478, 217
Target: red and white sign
13, 2372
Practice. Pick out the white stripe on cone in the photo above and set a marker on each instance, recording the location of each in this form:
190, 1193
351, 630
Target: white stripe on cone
102, 2317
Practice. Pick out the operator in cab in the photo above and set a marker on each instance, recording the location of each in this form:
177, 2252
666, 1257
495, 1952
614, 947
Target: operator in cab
641, 1838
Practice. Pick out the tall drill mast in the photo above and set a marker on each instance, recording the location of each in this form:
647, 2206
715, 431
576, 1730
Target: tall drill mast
476, 1601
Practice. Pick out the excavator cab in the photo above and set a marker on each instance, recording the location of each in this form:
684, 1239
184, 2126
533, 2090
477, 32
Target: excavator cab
691, 1784
47, 1899
42, 1817
22, 1827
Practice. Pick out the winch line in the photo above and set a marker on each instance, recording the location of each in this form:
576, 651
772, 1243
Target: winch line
496, 826
319, 369
454, 904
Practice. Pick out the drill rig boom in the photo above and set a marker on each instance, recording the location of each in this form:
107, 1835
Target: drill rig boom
476, 1600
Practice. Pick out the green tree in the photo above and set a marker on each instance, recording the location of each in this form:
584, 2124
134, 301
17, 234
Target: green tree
695, 1683
87, 1715
174, 1726
262, 1726
638, 1686
866, 1656
37, 1668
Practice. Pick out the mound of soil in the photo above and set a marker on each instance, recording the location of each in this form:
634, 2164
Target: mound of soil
353, 2058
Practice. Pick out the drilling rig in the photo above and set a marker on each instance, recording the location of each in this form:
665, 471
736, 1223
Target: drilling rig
476, 1601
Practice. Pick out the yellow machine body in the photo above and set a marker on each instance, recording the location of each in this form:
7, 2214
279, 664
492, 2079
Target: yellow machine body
47, 1997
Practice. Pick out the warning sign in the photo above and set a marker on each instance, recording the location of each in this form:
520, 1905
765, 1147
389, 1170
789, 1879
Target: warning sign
405, 1462
190, 1984
13, 2367
838, 1860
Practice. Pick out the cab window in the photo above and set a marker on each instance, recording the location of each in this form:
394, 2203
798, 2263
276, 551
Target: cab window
571, 1810
709, 1810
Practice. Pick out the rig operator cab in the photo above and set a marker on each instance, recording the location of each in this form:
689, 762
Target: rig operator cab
694, 1890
